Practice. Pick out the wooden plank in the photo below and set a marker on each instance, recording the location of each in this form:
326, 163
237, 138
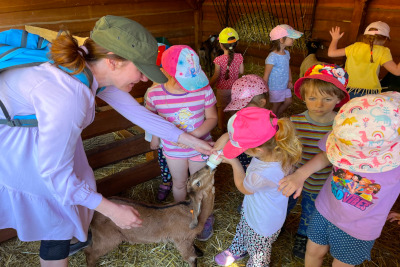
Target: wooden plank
106, 122
357, 20
117, 151
7, 233
115, 183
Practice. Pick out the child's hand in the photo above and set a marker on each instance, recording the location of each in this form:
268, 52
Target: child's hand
221, 142
335, 33
290, 184
393, 216
155, 143
290, 85
229, 161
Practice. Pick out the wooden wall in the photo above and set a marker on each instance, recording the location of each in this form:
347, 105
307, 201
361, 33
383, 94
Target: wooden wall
348, 14
163, 18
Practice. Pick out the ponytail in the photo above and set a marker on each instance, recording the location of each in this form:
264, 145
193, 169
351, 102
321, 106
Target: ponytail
231, 54
370, 39
285, 145
65, 52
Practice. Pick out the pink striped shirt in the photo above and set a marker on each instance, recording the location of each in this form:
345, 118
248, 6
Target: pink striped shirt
186, 111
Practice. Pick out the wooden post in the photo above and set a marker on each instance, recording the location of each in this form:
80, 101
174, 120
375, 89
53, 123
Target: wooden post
357, 20
198, 16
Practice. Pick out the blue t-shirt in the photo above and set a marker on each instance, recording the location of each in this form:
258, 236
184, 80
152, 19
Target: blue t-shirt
279, 77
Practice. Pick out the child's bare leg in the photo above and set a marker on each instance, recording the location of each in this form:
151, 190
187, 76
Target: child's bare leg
194, 166
338, 263
284, 106
315, 254
275, 107
179, 173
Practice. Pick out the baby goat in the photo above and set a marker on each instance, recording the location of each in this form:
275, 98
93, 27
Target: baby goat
179, 223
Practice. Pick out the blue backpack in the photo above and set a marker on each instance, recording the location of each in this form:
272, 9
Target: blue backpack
19, 49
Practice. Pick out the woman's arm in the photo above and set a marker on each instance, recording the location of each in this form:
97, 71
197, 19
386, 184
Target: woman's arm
294, 182
333, 51
217, 72
209, 123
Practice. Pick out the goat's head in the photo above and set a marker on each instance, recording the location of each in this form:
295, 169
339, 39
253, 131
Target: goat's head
314, 45
199, 186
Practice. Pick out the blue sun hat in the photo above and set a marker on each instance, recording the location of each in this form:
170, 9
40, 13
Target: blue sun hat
365, 134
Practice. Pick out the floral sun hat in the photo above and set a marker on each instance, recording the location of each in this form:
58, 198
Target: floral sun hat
366, 134
244, 89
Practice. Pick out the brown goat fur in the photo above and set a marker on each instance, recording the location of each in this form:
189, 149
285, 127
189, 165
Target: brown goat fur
173, 222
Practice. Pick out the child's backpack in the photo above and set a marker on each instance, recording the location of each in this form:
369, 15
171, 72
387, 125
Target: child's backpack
19, 49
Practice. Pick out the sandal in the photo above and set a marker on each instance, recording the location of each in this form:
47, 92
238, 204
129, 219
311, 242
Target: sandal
163, 191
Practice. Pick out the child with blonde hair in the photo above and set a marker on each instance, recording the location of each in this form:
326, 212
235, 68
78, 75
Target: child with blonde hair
277, 70
275, 149
365, 141
227, 69
364, 59
188, 101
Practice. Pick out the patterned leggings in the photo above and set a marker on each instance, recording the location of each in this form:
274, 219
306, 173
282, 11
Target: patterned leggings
165, 174
258, 246
307, 209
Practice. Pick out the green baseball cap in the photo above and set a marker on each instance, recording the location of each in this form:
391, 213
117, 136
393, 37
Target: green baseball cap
130, 40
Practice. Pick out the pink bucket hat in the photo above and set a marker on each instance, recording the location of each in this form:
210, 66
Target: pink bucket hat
366, 134
244, 89
284, 30
182, 63
329, 73
381, 28
249, 128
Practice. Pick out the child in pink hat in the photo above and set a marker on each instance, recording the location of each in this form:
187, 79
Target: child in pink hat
364, 59
277, 70
188, 101
364, 142
275, 149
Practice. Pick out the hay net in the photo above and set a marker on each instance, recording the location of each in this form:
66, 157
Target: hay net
254, 19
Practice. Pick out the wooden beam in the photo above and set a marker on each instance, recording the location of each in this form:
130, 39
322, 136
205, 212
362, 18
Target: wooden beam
119, 150
357, 20
116, 183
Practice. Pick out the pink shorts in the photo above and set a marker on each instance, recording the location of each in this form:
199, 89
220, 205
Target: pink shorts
198, 158
276, 96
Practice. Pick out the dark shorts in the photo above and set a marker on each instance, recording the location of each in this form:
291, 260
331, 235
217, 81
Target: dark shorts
342, 246
51, 250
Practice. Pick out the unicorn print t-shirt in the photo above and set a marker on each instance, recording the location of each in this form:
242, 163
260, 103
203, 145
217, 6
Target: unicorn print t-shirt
186, 111
358, 203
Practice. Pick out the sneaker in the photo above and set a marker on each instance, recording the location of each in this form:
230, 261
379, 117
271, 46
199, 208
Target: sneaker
226, 258
207, 230
74, 248
163, 191
299, 248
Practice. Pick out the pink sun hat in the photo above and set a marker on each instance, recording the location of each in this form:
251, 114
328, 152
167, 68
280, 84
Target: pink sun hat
244, 89
249, 128
329, 73
284, 30
182, 63
365, 134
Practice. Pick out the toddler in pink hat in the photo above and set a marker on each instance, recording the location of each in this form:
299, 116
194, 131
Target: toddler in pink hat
354, 202
275, 149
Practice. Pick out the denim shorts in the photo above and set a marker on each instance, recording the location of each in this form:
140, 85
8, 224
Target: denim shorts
52, 250
342, 246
